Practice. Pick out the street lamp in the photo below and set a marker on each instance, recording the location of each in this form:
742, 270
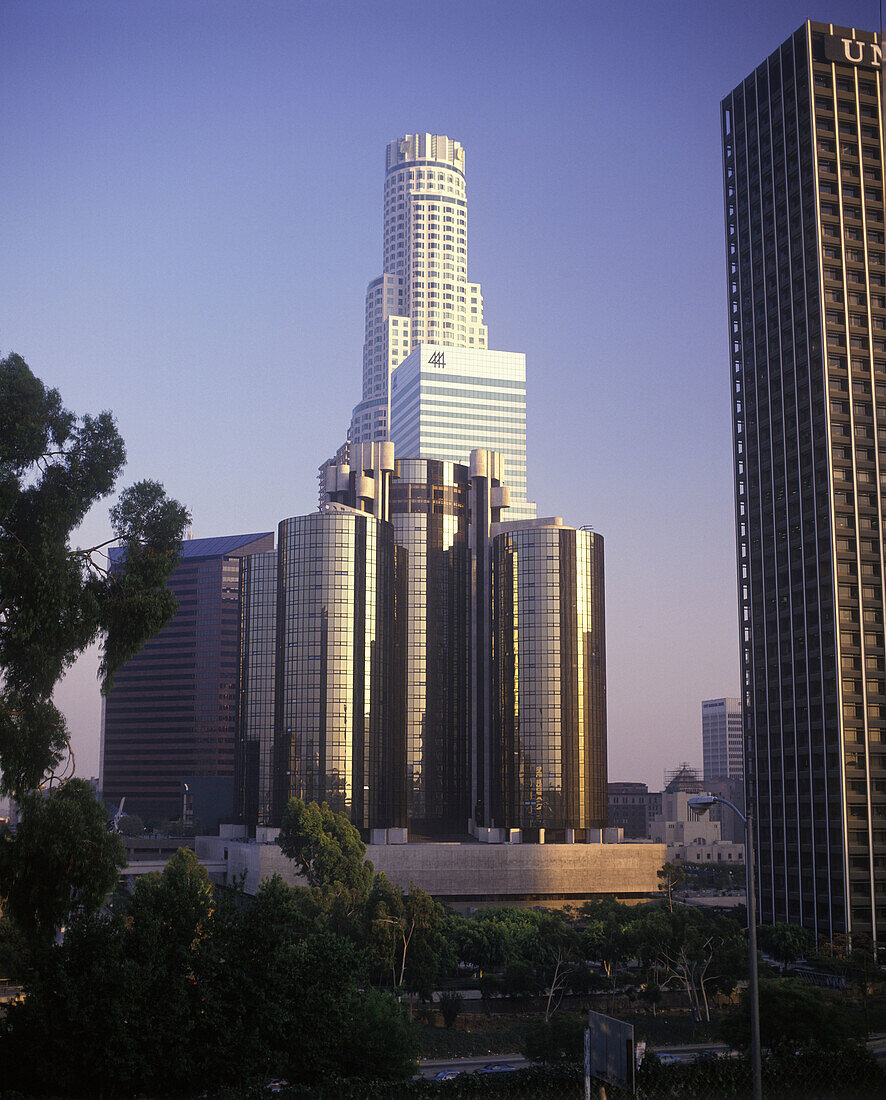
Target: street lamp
701, 804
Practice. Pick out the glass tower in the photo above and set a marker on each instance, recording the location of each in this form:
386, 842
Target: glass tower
172, 713
548, 759
429, 513
258, 631
803, 176
339, 668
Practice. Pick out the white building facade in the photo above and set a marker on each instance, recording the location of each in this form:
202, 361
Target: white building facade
722, 739
447, 401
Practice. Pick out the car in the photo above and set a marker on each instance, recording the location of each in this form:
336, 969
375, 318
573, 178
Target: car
496, 1067
445, 1075
667, 1059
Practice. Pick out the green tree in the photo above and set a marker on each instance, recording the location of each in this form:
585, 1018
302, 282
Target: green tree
671, 876
785, 942
61, 860
131, 825
451, 1003
55, 600
328, 851
791, 1014
402, 935
558, 1039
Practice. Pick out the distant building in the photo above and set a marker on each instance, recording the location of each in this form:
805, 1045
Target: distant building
722, 739
628, 809
172, 712
685, 778
691, 837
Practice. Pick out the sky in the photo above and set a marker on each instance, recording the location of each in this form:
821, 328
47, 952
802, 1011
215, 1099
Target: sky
191, 196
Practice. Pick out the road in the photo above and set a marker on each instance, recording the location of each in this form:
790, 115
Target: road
468, 1065
685, 1053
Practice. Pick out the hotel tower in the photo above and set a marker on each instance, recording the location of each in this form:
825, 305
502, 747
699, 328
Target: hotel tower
803, 175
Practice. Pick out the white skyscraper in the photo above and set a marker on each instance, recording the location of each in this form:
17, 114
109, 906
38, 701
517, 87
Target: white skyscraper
423, 295
423, 307
722, 739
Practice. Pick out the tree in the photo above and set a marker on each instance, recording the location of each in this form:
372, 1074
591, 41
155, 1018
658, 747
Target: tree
671, 875
61, 860
785, 942
791, 1014
451, 1003
402, 932
55, 600
327, 850
131, 825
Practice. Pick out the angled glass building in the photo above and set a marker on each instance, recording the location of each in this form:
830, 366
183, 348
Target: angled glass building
173, 711
803, 177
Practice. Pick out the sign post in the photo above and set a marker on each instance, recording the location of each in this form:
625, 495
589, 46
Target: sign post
610, 1055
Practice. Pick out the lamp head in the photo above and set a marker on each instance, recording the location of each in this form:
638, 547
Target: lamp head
701, 803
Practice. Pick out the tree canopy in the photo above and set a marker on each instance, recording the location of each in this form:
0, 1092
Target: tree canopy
61, 860
56, 600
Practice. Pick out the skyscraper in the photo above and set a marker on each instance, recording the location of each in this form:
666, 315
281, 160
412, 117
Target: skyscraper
545, 772
172, 713
803, 176
423, 295
722, 739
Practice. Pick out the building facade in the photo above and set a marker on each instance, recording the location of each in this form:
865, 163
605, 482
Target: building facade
429, 514
722, 739
339, 668
447, 402
803, 176
628, 809
173, 710
548, 764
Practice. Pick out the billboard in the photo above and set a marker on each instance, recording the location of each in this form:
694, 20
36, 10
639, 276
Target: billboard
609, 1052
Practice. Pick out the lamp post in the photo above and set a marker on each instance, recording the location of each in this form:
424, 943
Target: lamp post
701, 804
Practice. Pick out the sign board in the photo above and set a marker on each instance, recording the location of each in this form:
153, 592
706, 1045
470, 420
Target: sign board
853, 51
609, 1052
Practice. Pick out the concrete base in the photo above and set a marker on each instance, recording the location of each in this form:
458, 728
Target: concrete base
266, 835
388, 836
474, 874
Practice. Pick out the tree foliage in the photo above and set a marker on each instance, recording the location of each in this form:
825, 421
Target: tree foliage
181, 992
61, 860
791, 1014
327, 850
55, 600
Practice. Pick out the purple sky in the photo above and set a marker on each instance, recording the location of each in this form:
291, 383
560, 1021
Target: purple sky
192, 207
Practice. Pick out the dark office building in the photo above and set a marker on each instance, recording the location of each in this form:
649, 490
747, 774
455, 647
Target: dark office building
628, 806
172, 712
803, 167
